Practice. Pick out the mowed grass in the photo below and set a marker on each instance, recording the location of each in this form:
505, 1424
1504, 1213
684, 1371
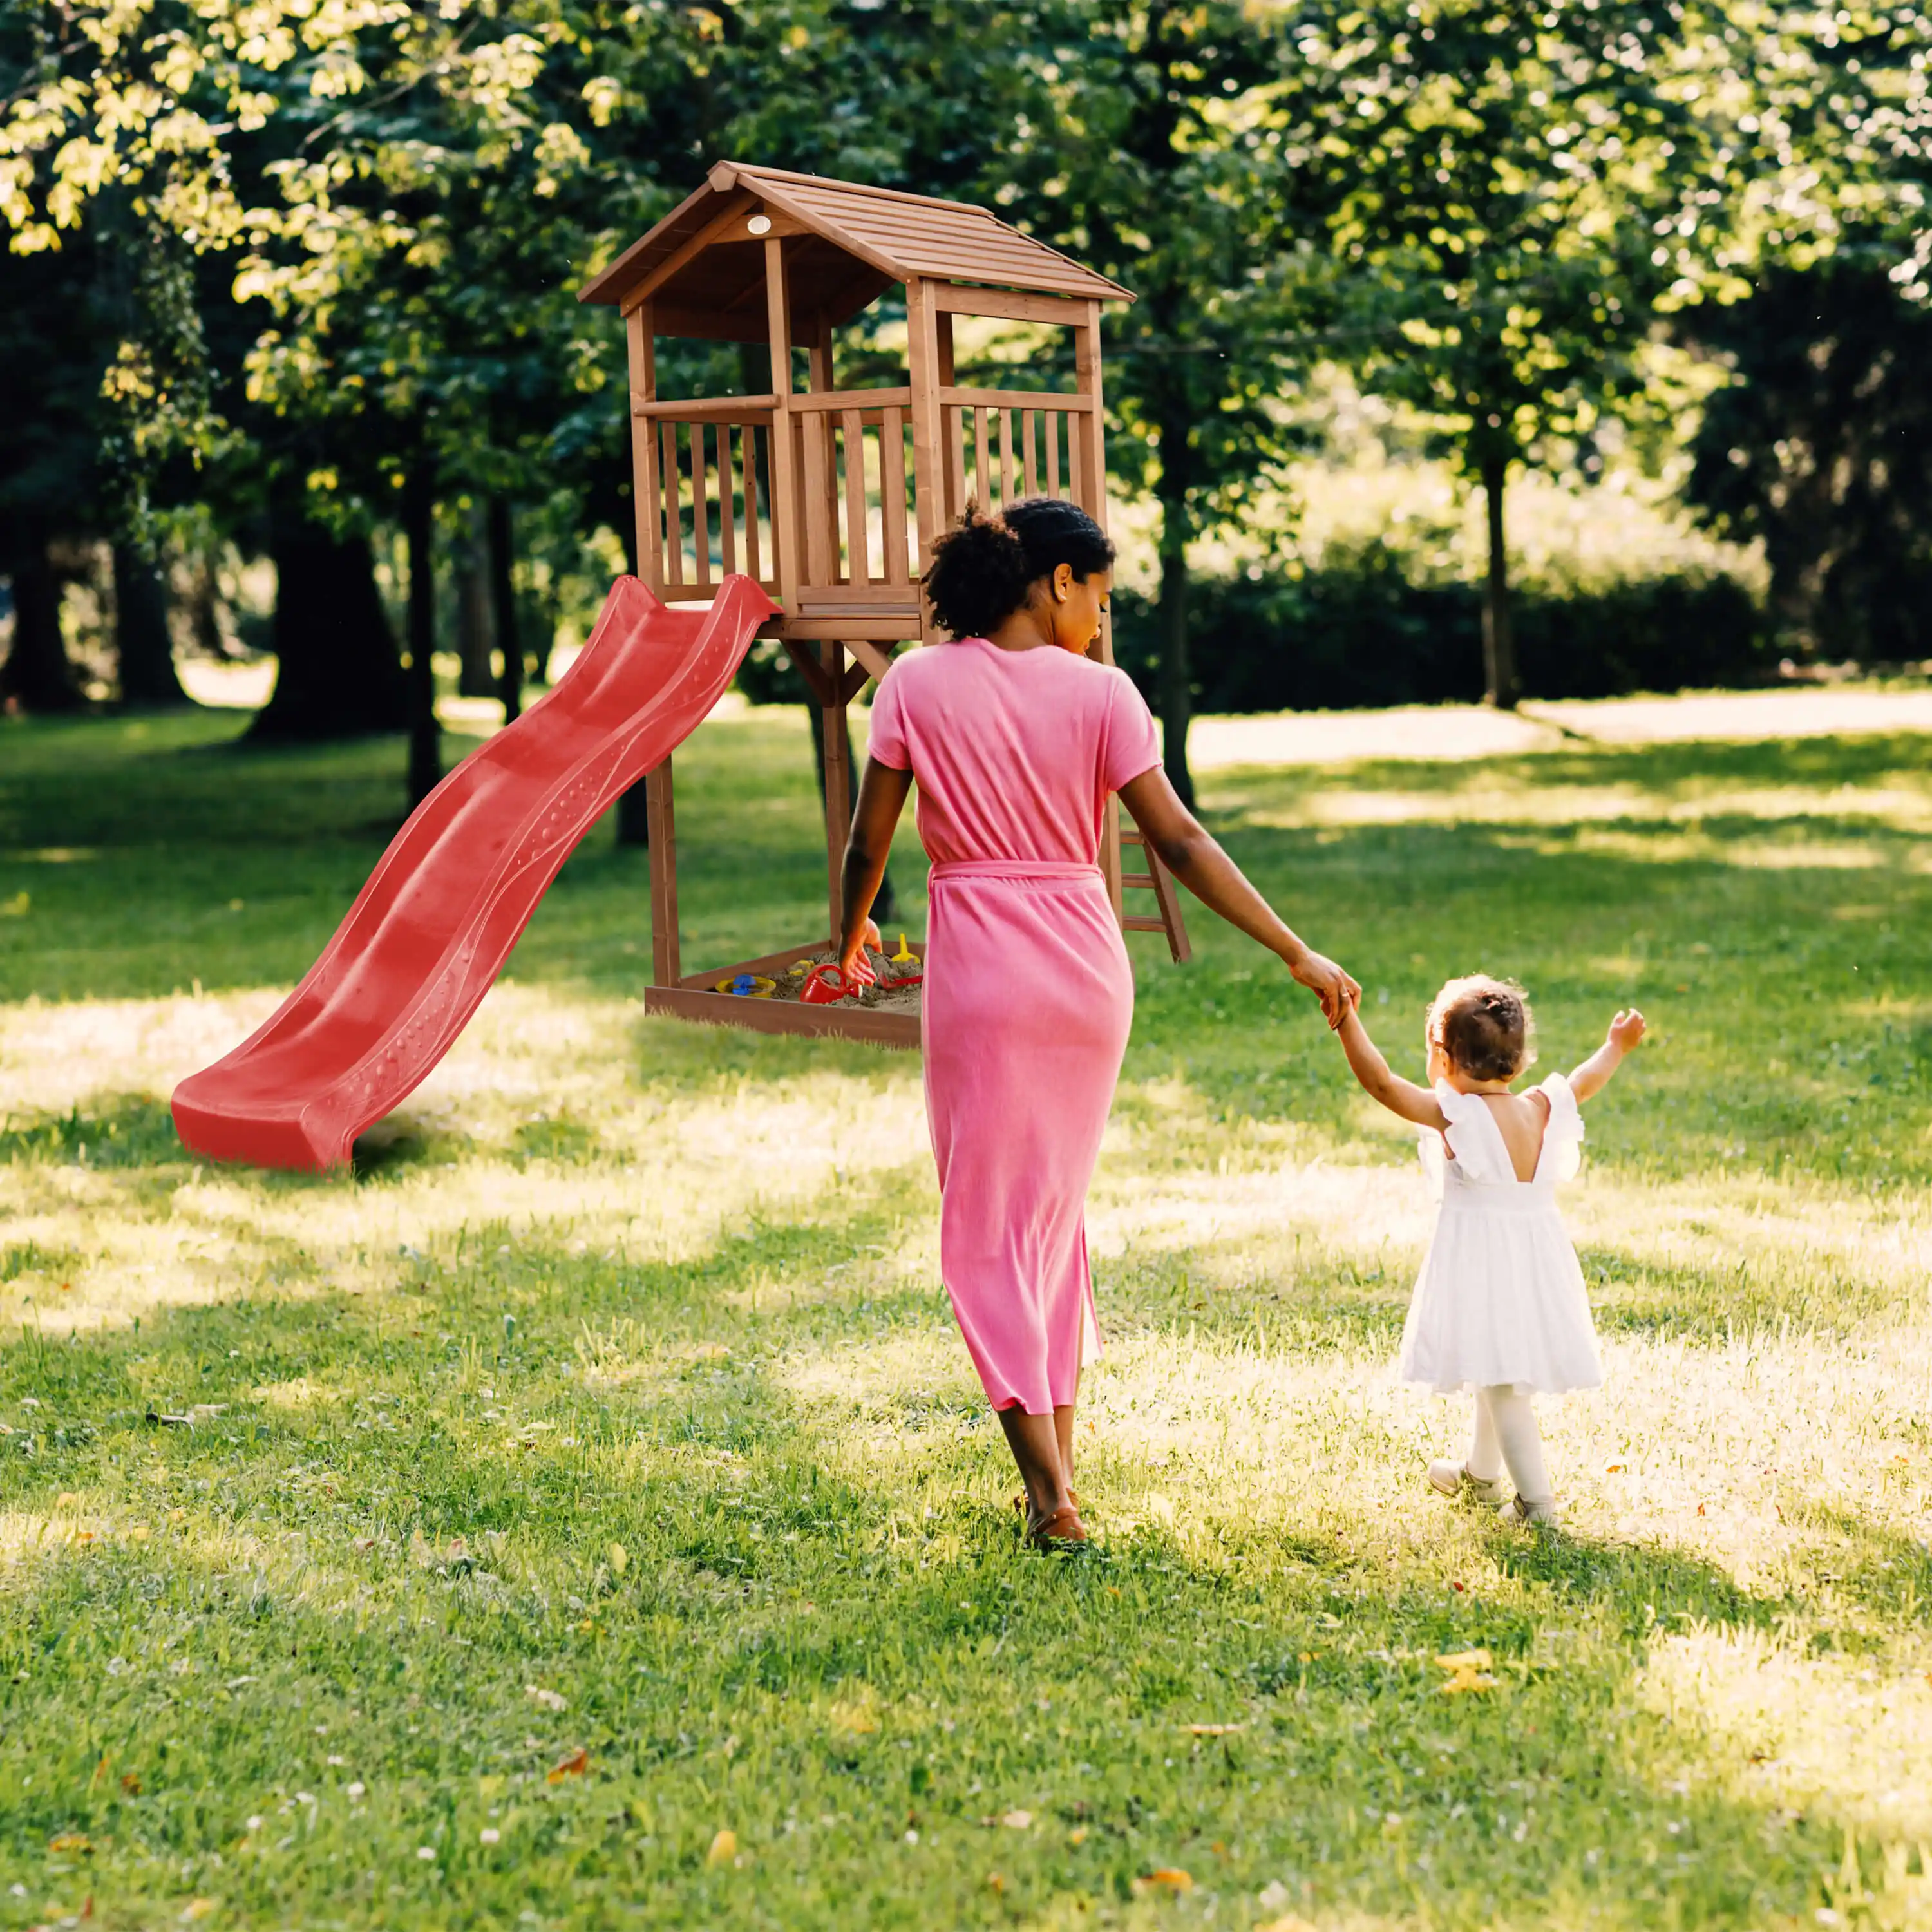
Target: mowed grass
584, 1513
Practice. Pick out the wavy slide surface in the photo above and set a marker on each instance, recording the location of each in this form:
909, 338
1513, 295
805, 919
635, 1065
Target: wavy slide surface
429, 932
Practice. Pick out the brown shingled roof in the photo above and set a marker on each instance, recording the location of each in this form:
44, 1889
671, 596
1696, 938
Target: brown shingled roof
861, 239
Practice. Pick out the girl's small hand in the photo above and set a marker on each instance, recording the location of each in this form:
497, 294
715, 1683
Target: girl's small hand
1336, 991
857, 969
1626, 1030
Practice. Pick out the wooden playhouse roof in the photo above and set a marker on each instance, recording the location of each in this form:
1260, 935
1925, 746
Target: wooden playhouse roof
856, 241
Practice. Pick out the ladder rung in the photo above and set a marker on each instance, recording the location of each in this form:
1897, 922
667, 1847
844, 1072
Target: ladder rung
1144, 925
1144, 880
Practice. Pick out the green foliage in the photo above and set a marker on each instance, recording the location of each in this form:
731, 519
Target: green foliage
1821, 447
1359, 630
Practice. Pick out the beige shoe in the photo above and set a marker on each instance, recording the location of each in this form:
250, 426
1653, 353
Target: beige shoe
1534, 1516
1453, 1480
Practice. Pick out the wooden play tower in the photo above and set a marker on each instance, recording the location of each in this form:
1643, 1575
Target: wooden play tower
831, 498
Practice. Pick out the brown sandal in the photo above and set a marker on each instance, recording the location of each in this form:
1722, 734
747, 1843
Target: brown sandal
1020, 1502
1061, 1530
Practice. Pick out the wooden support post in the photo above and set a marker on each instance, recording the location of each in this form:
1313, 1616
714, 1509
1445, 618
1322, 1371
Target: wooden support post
929, 447
784, 474
665, 957
820, 507
838, 783
647, 488
1090, 492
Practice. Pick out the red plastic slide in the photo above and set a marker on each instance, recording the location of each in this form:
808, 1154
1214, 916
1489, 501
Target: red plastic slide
431, 931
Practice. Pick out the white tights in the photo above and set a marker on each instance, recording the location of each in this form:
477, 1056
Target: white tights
1507, 1435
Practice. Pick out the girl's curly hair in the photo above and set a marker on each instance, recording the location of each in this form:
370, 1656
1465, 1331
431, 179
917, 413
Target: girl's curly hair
1484, 1026
985, 568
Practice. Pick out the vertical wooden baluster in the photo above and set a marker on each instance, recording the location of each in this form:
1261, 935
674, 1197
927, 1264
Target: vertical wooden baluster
1030, 424
982, 461
1073, 423
700, 504
1005, 458
892, 495
955, 451
673, 550
1054, 418
727, 500
821, 491
858, 554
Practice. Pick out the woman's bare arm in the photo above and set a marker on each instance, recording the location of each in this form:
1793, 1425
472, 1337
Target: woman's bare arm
882, 797
1399, 1096
1190, 852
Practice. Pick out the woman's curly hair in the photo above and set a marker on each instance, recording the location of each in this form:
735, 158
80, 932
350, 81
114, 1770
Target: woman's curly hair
1484, 1026
985, 568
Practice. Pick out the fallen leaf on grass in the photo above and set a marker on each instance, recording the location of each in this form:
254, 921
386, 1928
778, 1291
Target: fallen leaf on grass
574, 1765
1168, 1878
71, 1841
723, 1848
1017, 1821
1077, 1836
551, 1700
1215, 1730
196, 1908
131, 1784
1288, 1922
995, 1882
1469, 1670
619, 1557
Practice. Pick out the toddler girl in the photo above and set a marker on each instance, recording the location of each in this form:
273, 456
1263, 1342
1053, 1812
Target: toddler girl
1500, 1305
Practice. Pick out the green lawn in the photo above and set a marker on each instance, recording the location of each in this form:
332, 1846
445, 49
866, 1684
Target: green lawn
585, 1514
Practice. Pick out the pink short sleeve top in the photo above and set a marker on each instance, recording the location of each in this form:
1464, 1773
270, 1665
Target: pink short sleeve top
1014, 752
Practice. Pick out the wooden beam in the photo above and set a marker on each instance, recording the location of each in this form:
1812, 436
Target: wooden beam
807, 661
876, 661
843, 1019
856, 679
1018, 399
1008, 305
866, 401
924, 369
838, 782
783, 478
819, 507
661, 823
705, 409
646, 487
713, 230
1087, 434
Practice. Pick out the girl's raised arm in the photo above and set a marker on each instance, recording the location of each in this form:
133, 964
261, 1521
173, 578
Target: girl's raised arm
1400, 1097
1593, 1076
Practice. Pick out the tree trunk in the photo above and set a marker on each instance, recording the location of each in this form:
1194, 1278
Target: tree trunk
503, 607
425, 743
885, 901
473, 638
338, 674
1177, 677
146, 649
38, 675
1499, 679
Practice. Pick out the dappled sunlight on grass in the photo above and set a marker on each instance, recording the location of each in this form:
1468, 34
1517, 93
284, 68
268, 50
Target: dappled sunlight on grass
611, 1402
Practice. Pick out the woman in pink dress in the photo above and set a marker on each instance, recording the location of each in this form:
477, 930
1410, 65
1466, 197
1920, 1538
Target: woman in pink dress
1016, 737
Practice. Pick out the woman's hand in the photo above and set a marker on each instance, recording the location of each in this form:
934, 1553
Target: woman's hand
1336, 989
857, 969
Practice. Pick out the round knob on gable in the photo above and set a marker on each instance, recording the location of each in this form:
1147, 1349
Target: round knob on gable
760, 224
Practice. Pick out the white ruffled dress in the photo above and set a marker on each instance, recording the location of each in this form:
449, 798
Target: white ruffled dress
1501, 1298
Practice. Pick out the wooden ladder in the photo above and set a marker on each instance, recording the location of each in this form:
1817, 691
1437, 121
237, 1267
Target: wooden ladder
1158, 881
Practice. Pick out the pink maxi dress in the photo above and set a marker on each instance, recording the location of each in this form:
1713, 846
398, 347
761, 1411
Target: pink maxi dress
1028, 993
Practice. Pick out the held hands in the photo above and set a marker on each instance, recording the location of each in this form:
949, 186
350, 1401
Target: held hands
1626, 1030
1336, 989
857, 970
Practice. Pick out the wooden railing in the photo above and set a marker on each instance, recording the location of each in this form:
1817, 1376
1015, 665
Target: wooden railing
1004, 444
707, 472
